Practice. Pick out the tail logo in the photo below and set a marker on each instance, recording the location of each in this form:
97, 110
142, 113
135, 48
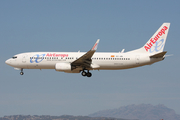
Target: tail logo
158, 46
154, 40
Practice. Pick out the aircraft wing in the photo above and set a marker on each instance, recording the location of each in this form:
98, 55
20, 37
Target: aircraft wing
85, 60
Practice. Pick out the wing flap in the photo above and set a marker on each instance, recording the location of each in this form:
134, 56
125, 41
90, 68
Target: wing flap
94, 66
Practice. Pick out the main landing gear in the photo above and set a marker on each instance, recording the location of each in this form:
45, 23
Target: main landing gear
21, 73
84, 73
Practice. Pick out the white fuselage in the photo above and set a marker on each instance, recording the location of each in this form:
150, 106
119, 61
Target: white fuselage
101, 60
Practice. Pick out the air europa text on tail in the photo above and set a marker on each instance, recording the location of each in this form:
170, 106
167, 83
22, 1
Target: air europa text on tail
153, 40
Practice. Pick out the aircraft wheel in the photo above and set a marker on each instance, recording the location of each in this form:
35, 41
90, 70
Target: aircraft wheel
21, 73
89, 74
84, 73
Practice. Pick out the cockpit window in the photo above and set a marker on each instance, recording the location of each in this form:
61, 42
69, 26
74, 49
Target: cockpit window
14, 57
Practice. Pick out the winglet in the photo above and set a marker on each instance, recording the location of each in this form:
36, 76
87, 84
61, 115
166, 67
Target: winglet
95, 45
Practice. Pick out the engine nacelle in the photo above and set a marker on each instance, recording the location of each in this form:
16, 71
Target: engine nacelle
63, 67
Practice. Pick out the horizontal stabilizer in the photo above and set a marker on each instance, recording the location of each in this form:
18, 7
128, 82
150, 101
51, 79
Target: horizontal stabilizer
159, 55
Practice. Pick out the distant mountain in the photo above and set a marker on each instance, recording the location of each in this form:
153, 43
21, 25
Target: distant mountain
141, 112
48, 117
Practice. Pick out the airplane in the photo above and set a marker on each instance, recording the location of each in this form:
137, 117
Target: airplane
76, 62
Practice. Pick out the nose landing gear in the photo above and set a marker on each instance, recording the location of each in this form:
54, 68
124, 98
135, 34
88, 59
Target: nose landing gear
21, 73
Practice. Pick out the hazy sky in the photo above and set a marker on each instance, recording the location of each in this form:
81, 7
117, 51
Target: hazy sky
69, 25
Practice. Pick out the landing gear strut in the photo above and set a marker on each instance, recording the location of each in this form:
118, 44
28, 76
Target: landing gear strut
84, 73
21, 73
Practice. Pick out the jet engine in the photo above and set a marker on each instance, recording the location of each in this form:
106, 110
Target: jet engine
63, 67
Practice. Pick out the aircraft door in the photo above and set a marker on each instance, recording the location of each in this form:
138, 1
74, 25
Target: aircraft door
137, 59
24, 58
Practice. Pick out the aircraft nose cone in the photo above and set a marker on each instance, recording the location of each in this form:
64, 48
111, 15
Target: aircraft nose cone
8, 62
